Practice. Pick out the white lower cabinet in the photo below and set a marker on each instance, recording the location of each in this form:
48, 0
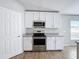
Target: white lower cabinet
54, 43
59, 43
28, 43
50, 43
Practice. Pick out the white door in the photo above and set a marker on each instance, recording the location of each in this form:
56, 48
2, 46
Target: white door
28, 44
14, 33
59, 43
10, 28
18, 37
50, 43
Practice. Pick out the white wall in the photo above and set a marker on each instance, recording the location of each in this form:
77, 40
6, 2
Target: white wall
66, 28
73, 9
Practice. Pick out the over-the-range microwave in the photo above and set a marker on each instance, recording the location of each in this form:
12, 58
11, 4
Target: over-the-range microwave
39, 24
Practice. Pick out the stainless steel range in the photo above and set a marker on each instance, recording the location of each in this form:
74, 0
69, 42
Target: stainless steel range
39, 37
39, 42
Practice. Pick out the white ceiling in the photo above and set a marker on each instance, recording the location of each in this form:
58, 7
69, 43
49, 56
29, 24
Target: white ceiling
47, 4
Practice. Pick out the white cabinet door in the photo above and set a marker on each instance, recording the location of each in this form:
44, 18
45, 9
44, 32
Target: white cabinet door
43, 16
49, 20
39, 15
50, 43
28, 19
27, 43
58, 23
36, 16
59, 43
57, 20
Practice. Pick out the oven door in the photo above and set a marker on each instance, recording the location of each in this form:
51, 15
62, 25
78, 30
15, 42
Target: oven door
39, 45
39, 42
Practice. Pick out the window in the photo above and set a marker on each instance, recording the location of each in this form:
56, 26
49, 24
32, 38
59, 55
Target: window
75, 30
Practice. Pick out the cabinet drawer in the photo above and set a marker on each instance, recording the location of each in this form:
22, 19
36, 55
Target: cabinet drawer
39, 48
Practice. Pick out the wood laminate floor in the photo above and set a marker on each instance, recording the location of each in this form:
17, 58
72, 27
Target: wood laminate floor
67, 53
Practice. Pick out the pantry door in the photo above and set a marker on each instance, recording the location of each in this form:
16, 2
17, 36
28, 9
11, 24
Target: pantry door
10, 33
14, 33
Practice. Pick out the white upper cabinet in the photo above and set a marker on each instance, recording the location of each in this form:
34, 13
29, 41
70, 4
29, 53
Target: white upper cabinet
35, 15
57, 20
43, 16
28, 20
52, 20
49, 20
31, 16
39, 16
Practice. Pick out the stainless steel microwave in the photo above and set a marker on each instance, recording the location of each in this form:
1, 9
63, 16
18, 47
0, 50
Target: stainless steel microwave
37, 24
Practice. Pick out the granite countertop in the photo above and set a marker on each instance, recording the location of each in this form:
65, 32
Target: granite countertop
27, 35
53, 35
47, 34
